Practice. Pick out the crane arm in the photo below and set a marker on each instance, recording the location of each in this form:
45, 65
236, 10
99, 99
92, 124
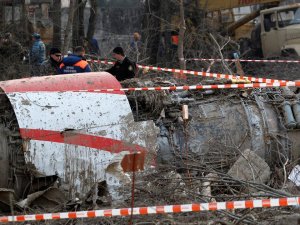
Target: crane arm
215, 5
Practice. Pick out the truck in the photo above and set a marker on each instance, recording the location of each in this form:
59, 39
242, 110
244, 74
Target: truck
276, 33
279, 31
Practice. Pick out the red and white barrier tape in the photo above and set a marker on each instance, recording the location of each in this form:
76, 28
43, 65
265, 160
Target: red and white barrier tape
200, 87
198, 73
247, 60
102, 61
198, 207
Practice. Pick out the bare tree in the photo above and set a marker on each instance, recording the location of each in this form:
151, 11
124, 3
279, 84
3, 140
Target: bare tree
93, 19
158, 28
182, 29
56, 18
152, 25
67, 36
166, 15
78, 23
27, 28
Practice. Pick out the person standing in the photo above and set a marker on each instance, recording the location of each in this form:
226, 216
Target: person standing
136, 45
124, 68
37, 54
51, 66
75, 63
10, 49
174, 39
92, 46
11, 57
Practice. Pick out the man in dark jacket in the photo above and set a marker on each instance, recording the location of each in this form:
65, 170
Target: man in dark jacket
123, 68
75, 63
51, 66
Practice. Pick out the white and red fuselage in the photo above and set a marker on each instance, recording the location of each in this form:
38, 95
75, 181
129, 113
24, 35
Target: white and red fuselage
71, 131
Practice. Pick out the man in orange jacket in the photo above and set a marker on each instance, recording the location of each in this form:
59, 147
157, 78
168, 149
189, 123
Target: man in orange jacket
75, 63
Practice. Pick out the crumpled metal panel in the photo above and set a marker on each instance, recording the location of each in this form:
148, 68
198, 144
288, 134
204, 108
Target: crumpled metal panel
75, 134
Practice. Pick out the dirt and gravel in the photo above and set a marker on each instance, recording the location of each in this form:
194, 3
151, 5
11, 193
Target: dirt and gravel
283, 71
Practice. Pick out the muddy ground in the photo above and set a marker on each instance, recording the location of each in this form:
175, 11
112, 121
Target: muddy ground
283, 71
287, 71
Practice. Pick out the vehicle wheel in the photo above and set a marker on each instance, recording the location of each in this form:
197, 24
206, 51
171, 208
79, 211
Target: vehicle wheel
289, 53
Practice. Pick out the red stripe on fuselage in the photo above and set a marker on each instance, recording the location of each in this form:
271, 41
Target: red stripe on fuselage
86, 140
132, 162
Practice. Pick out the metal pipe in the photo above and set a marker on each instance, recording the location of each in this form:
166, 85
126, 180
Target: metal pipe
296, 111
290, 122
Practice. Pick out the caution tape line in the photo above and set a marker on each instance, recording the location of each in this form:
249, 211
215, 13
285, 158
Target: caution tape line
199, 87
212, 206
246, 60
102, 61
198, 73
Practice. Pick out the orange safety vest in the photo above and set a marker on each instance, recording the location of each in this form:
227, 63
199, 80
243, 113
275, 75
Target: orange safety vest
82, 64
175, 39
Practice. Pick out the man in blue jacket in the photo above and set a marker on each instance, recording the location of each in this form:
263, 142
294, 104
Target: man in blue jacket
37, 54
75, 63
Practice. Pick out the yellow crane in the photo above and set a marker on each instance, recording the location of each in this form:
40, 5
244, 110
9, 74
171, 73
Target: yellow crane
215, 5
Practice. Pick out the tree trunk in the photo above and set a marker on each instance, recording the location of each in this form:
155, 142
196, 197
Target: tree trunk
78, 23
56, 18
92, 20
27, 27
152, 24
75, 25
198, 15
81, 33
181, 37
166, 10
2, 17
13, 12
67, 36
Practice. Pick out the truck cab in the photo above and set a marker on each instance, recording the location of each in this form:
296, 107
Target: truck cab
280, 31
